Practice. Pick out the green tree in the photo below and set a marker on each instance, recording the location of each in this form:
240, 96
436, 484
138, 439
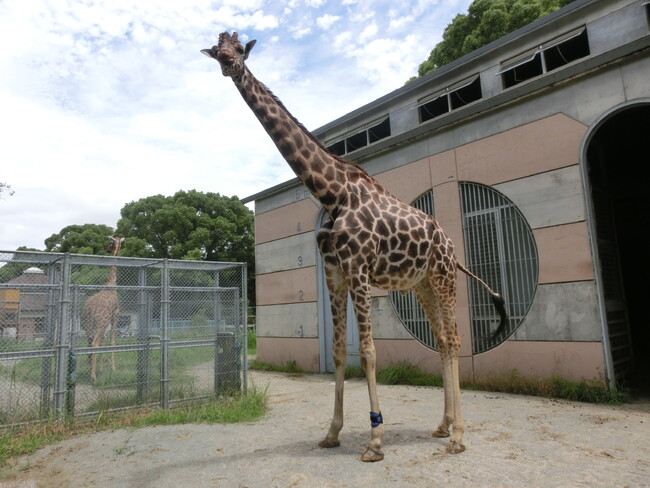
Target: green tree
190, 225
485, 21
81, 239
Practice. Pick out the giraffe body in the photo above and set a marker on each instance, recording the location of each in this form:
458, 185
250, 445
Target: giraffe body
370, 239
101, 313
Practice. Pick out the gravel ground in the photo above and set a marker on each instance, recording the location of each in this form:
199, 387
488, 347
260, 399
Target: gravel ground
512, 441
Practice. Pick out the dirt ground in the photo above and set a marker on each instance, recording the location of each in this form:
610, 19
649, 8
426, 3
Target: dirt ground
512, 441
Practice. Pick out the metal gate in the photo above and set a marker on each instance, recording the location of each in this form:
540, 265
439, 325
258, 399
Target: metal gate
157, 331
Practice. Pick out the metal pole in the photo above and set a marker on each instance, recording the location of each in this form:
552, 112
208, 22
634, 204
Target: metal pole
142, 365
62, 345
244, 286
48, 342
164, 340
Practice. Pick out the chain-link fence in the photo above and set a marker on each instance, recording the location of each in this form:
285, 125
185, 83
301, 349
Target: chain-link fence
83, 334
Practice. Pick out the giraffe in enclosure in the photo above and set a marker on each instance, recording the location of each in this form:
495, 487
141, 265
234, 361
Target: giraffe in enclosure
102, 311
371, 239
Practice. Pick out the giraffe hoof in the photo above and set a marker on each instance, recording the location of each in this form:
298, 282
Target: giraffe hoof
455, 447
440, 433
327, 443
372, 455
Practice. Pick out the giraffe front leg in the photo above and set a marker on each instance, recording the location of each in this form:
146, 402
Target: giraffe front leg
361, 300
338, 301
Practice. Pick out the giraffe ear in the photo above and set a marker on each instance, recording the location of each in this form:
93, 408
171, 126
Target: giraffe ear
249, 47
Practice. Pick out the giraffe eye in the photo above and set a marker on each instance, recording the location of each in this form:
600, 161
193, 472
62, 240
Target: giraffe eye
240, 50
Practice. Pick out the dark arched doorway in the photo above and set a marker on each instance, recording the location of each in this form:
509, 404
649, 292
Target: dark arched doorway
618, 168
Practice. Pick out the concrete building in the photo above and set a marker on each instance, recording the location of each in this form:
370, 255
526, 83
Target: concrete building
531, 153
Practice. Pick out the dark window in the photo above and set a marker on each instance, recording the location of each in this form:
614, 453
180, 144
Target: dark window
574, 48
337, 148
550, 56
434, 108
379, 131
361, 139
453, 97
466, 94
524, 71
356, 141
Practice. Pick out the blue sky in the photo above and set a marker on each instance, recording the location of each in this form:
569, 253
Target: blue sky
104, 102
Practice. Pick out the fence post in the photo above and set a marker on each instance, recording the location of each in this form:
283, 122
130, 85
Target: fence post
244, 321
48, 340
143, 356
164, 339
62, 346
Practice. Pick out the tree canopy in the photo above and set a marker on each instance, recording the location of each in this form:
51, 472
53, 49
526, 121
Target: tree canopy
81, 239
188, 225
485, 21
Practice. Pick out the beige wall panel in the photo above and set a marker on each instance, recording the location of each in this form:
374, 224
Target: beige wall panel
297, 251
548, 199
290, 320
407, 182
293, 286
570, 360
564, 253
285, 221
562, 312
540, 146
280, 350
393, 351
443, 168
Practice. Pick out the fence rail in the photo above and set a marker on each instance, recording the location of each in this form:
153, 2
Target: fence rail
83, 334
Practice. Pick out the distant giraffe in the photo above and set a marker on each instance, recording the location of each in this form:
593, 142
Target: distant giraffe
101, 312
371, 239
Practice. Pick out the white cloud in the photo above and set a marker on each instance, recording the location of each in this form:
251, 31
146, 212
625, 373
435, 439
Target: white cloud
109, 101
326, 21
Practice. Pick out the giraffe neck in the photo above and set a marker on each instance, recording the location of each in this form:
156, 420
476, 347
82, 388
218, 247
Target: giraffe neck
324, 174
112, 276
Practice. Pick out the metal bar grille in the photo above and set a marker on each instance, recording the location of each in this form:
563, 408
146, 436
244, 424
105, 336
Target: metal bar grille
499, 248
406, 305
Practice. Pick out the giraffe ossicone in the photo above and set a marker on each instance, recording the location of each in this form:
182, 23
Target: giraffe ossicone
370, 239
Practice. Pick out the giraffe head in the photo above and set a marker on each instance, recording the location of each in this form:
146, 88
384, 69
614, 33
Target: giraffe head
230, 53
115, 244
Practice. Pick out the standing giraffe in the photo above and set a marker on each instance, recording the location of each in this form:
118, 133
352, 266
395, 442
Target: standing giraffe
371, 239
102, 311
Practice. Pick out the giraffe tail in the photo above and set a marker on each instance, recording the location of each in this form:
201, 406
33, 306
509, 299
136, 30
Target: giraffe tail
497, 301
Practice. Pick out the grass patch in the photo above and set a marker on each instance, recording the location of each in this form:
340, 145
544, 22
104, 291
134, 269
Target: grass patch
556, 387
405, 373
242, 407
251, 340
290, 367
354, 372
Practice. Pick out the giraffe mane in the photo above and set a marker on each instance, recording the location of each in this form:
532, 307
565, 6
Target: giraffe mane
311, 136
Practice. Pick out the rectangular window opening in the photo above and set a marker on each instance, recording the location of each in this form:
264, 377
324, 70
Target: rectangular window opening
563, 53
466, 94
338, 148
523, 71
358, 140
434, 108
379, 131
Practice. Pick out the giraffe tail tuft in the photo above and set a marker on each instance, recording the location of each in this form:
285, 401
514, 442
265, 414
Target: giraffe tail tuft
497, 301
500, 306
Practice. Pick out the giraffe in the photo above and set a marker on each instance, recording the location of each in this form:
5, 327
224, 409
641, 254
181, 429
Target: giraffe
370, 239
101, 312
